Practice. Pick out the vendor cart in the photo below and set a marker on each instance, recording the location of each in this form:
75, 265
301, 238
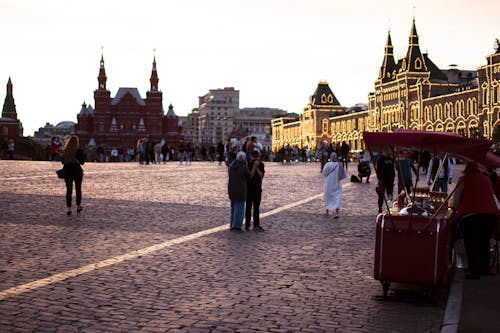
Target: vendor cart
417, 248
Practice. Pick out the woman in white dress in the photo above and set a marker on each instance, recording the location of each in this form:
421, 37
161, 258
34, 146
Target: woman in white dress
334, 173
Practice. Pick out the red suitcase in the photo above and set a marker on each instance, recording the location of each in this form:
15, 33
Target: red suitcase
412, 249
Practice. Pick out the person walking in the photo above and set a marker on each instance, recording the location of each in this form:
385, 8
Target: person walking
220, 152
140, 150
55, 143
344, 150
254, 191
73, 158
445, 174
157, 150
404, 166
385, 177
332, 189
10, 149
181, 151
477, 212
322, 154
239, 175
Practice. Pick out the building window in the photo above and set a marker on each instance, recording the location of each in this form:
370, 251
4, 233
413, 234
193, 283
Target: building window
418, 63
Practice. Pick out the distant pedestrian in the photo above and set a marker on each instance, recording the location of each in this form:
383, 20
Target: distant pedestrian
55, 143
364, 169
73, 158
385, 176
114, 155
220, 152
254, 191
189, 153
181, 152
445, 174
147, 150
157, 151
10, 149
404, 167
332, 190
140, 150
237, 189
344, 150
322, 154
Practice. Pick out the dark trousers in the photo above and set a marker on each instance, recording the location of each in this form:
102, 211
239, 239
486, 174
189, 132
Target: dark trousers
345, 161
386, 187
477, 230
69, 189
253, 199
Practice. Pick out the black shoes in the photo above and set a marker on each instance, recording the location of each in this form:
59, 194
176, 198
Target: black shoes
258, 228
78, 210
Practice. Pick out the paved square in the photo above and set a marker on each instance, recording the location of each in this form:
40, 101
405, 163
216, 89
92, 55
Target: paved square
306, 273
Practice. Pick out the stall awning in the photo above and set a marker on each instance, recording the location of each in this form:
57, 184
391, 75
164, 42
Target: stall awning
465, 148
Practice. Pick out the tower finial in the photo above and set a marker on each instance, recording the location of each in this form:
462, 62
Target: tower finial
102, 56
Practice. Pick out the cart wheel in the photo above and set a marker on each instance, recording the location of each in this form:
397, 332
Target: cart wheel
385, 287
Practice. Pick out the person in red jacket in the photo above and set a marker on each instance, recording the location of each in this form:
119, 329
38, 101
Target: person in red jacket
477, 211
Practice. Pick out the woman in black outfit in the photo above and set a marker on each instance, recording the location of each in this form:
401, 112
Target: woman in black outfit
72, 159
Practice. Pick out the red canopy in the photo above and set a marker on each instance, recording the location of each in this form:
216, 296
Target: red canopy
462, 147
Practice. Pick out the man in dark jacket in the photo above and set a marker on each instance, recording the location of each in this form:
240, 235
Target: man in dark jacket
344, 150
254, 191
385, 175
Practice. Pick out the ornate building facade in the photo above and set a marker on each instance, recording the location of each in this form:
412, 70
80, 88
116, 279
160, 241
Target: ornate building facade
119, 121
412, 93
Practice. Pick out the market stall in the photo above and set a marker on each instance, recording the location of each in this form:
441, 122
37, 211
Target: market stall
415, 236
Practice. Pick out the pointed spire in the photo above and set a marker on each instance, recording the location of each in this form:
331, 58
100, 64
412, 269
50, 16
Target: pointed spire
154, 74
102, 56
388, 68
414, 61
171, 112
413, 34
9, 106
9, 86
102, 73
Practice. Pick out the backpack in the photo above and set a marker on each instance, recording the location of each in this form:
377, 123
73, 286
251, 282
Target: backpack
355, 179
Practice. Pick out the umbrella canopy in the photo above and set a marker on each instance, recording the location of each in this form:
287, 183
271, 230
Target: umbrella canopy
462, 147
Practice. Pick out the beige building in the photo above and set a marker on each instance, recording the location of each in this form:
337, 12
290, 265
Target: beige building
412, 93
219, 117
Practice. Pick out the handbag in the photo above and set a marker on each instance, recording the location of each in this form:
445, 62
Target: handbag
60, 173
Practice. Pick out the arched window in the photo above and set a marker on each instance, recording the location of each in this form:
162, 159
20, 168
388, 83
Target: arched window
418, 63
448, 110
485, 94
323, 98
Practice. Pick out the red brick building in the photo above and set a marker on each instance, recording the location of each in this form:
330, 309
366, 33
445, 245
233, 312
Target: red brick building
121, 120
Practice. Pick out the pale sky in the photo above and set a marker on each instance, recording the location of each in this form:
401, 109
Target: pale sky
274, 51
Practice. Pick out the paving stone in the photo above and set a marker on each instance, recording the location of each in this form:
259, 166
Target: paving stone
306, 273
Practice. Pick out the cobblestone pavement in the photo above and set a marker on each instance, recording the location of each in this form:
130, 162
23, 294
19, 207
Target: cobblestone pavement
306, 273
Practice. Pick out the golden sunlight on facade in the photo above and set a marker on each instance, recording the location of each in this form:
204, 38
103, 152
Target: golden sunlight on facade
410, 94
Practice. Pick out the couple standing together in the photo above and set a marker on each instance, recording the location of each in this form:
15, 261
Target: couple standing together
245, 186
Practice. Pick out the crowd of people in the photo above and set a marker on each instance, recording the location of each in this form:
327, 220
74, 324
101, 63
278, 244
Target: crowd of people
473, 201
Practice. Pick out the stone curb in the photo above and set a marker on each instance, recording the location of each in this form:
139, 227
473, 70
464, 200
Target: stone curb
454, 304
